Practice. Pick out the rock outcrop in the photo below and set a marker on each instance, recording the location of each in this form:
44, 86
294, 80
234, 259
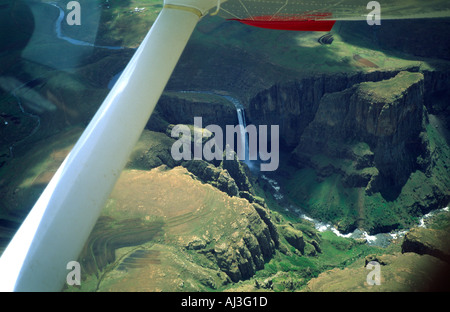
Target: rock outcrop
172, 220
386, 115
293, 105
294, 237
368, 134
432, 242
240, 258
217, 177
151, 151
237, 170
230, 176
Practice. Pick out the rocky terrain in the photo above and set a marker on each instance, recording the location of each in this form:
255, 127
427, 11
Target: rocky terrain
224, 238
216, 233
375, 135
422, 264
193, 214
433, 242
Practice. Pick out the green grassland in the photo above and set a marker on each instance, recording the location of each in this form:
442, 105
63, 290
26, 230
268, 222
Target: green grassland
296, 50
291, 272
212, 99
327, 197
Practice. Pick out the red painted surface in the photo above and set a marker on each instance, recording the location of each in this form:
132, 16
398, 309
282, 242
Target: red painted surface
304, 22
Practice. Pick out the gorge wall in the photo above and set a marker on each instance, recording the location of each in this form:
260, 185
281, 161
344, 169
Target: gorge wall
370, 134
386, 115
293, 105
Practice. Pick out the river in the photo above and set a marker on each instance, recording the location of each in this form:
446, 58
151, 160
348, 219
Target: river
380, 239
19, 86
59, 34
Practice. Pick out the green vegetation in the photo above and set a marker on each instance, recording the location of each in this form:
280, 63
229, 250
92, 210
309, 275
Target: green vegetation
210, 98
323, 198
120, 24
291, 271
329, 199
114, 22
295, 50
390, 89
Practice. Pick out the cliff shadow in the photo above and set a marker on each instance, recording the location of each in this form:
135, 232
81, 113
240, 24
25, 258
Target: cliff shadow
406, 38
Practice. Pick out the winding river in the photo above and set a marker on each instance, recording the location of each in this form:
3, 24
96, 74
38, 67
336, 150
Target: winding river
59, 34
15, 91
380, 239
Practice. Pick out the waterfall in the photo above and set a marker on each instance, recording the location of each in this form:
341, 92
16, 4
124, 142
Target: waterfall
243, 125
242, 122
244, 139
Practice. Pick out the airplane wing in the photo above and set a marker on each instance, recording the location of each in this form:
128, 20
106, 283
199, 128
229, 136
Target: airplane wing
58, 225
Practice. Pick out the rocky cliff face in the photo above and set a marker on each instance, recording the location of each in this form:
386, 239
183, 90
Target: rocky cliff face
241, 258
368, 129
433, 242
181, 108
293, 105
368, 134
240, 234
176, 223
387, 115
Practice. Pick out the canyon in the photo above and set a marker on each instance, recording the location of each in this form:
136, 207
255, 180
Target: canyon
370, 131
361, 147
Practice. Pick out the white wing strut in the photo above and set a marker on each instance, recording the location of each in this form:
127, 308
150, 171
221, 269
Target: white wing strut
59, 224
